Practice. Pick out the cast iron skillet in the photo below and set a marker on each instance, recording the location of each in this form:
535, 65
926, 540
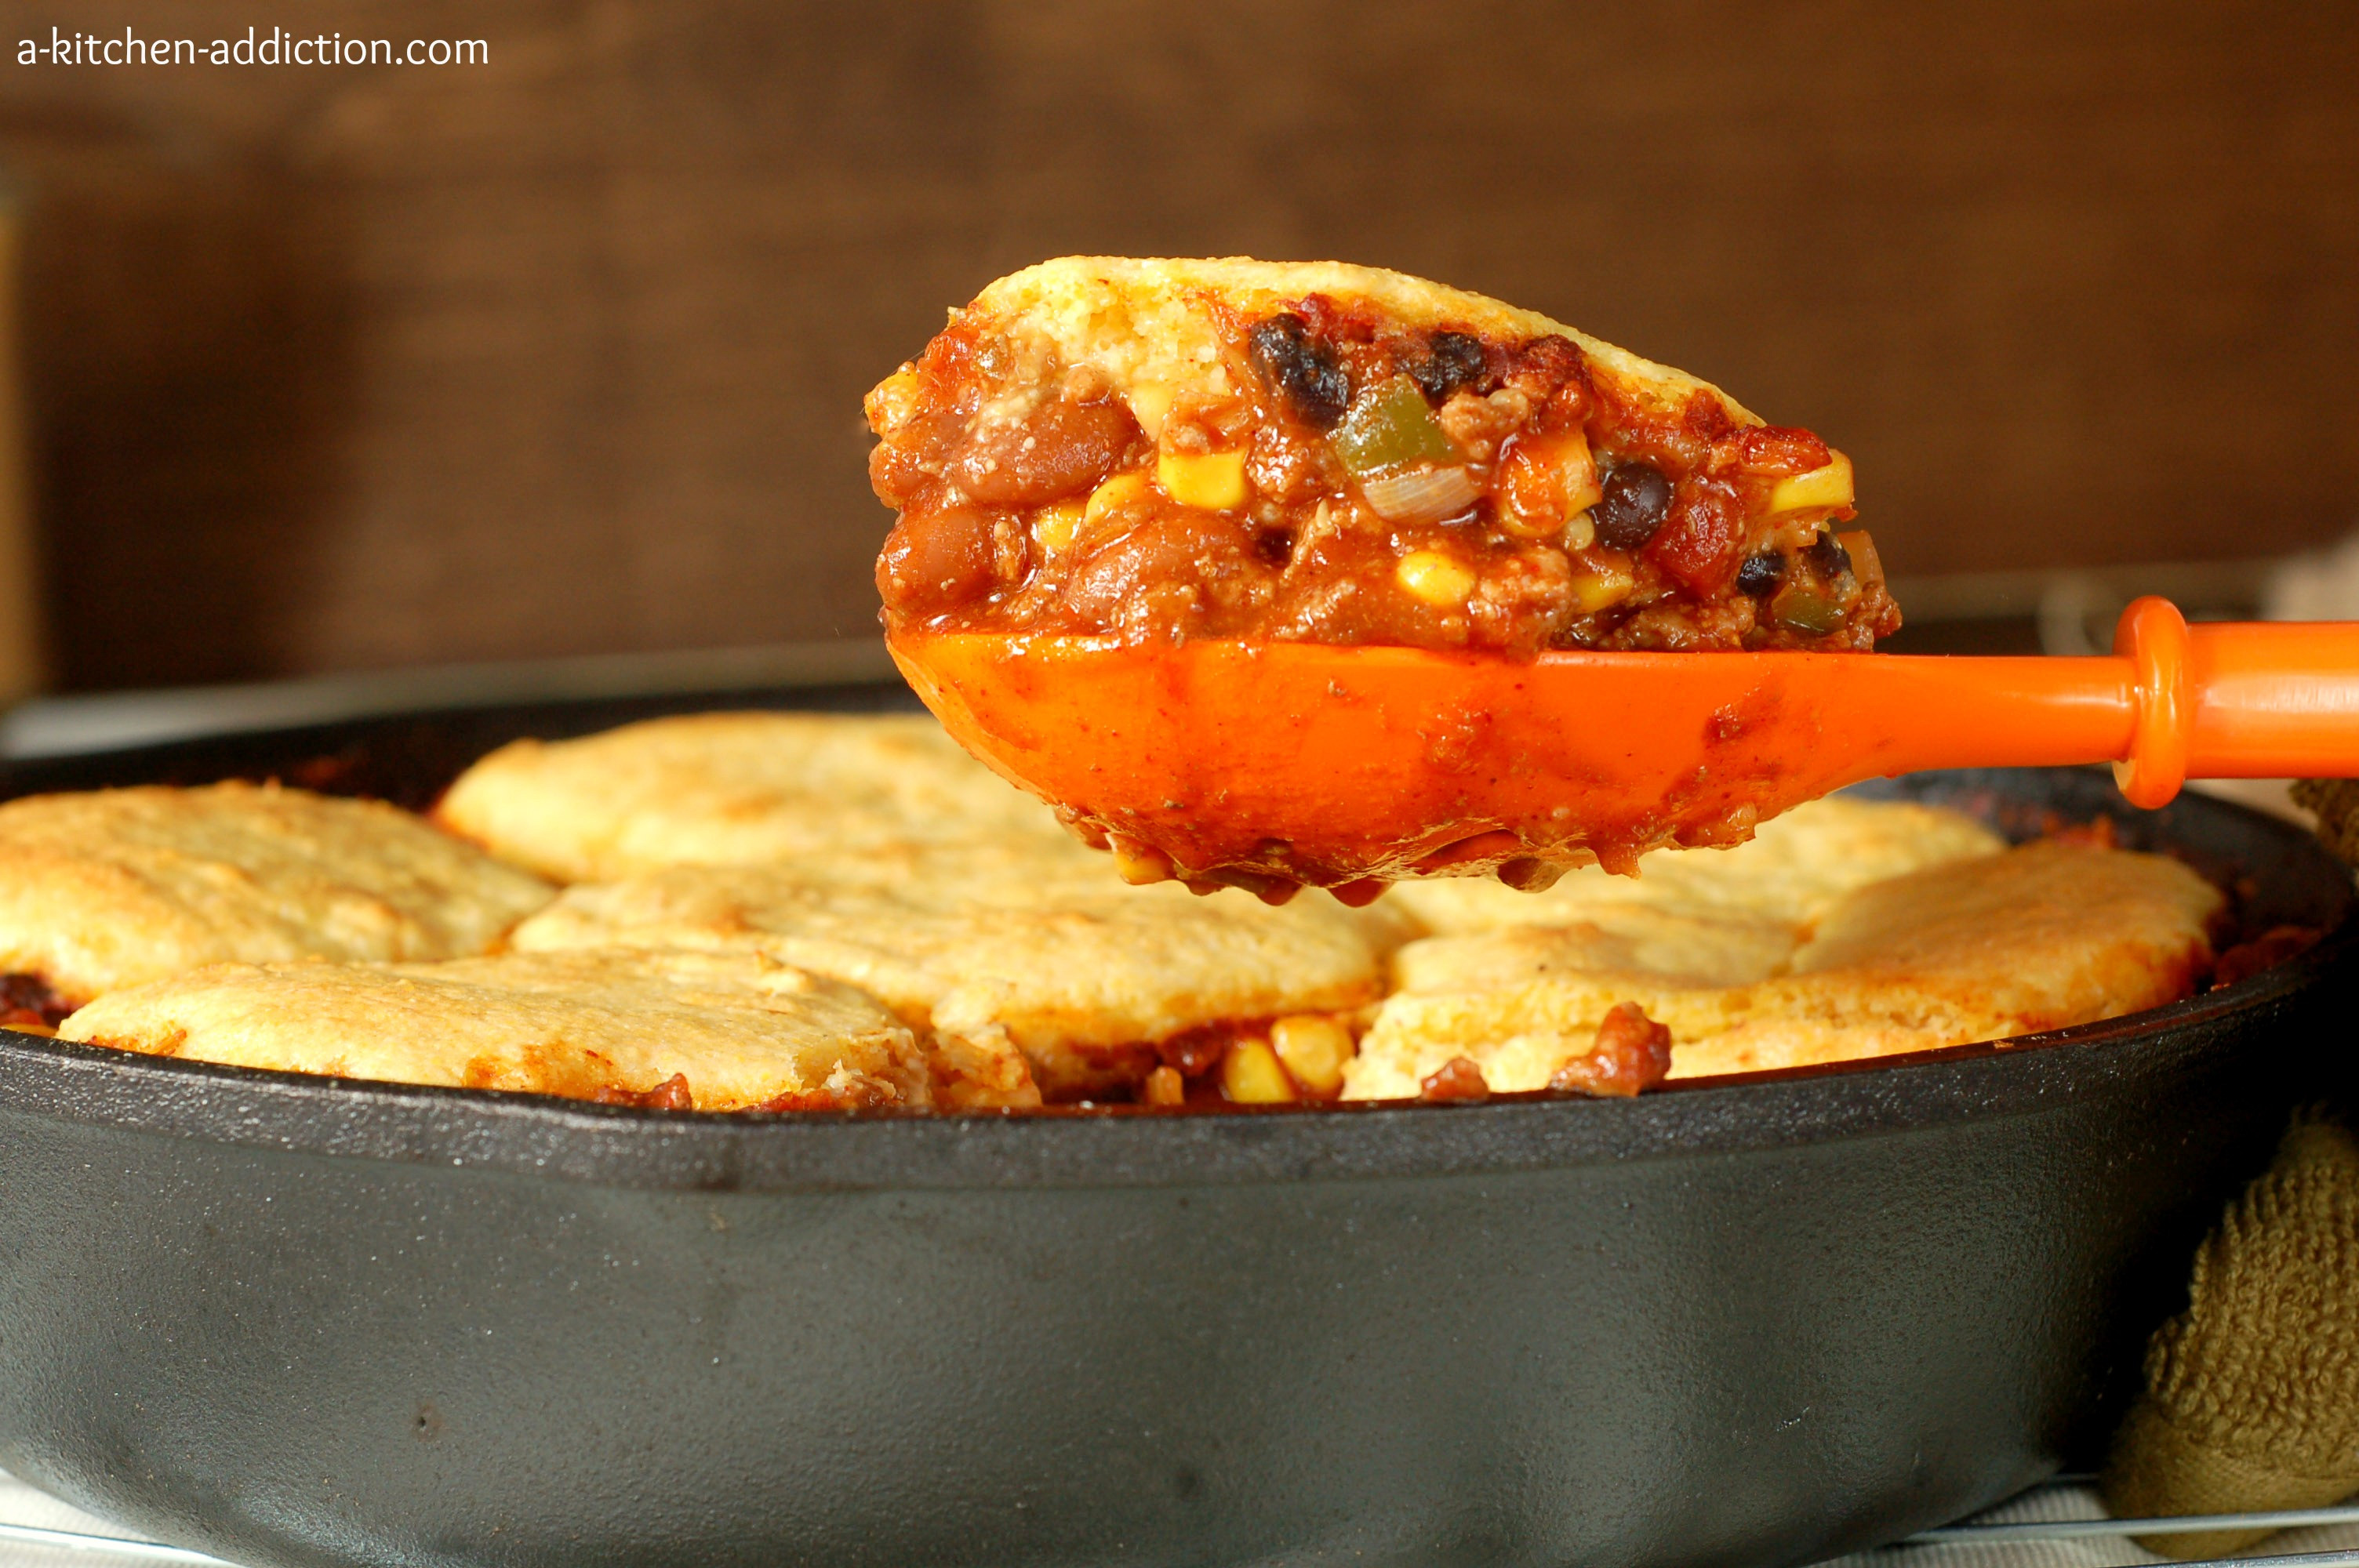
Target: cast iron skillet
297, 1321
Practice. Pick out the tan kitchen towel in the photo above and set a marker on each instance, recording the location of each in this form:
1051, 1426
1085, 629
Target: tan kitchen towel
2336, 801
2252, 1397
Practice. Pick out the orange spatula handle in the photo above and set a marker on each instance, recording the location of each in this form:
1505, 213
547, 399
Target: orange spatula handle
2173, 702
2271, 700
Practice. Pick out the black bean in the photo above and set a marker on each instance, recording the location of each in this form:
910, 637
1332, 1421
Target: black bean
1306, 373
1761, 574
1452, 360
1827, 557
1637, 498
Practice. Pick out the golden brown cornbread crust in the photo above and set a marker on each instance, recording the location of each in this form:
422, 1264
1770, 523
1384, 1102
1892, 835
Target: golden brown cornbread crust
731, 789
117, 887
1139, 319
1034, 943
1785, 879
1983, 947
745, 1031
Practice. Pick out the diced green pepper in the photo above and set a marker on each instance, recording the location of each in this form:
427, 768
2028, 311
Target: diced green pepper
1391, 426
1799, 609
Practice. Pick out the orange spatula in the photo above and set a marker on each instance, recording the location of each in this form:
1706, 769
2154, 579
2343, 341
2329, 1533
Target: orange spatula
1265, 764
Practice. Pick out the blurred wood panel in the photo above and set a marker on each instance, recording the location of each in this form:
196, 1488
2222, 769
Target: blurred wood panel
22, 671
354, 367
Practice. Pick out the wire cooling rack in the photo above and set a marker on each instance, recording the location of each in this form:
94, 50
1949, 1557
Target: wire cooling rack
36, 1530
2059, 1524
2063, 1523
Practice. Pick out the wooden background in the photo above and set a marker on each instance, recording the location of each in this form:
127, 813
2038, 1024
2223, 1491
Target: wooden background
354, 367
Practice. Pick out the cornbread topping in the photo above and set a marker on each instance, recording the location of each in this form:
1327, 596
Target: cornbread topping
733, 789
1765, 957
949, 948
869, 849
1326, 453
107, 889
678, 1031
1094, 982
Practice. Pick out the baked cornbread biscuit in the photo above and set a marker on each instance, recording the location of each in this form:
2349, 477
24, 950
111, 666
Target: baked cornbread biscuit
1783, 880
732, 789
117, 887
1027, 941
1982, 947
1716, 917
744, 1033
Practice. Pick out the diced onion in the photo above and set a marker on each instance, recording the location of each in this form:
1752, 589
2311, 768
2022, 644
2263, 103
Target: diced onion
1424, 495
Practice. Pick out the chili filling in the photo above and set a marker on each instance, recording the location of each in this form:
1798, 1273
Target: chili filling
27, 1003
1331, 477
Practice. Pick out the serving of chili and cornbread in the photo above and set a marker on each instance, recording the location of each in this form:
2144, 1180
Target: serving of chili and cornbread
1314, 451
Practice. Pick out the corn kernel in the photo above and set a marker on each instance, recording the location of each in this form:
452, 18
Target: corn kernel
1164, 1087
1582, 531
1600, 587
1579, 468
1435, 579
1546, 479
1138, 864
1058, 524
1252, 1074
1214, 481
1314, 1048
1829, 487
1111, 496
1150, 404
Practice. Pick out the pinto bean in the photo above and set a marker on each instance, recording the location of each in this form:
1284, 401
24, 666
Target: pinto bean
1183, 548
934, 562
1061, 449
1700, 543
